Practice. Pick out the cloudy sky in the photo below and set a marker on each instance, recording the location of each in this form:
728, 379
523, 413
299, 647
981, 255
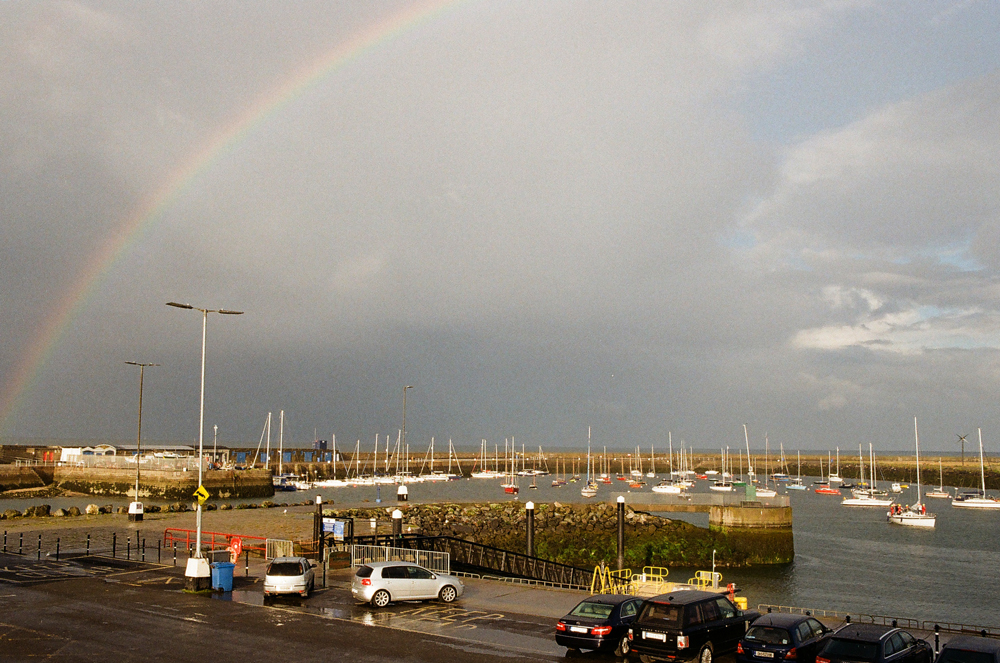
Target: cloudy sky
643, 217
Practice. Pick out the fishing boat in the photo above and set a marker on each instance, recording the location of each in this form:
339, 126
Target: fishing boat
977, 499
916, 514
939, 492
868, 496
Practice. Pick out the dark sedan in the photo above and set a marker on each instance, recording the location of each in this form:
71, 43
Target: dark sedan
781, 637
599, 622
970, 649
868, 643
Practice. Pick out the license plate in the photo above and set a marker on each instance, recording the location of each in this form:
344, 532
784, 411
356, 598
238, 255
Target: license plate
654, 636
764, 654
578, 629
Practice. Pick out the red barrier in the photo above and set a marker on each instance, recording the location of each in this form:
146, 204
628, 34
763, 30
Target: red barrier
214, 540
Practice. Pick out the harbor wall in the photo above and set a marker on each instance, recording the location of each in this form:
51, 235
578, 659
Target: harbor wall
585, 535
163, 485
19, 477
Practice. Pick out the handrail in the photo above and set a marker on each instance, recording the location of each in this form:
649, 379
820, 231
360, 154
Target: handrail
213, 539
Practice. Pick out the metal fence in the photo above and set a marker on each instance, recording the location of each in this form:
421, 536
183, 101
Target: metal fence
429, 559
279, 548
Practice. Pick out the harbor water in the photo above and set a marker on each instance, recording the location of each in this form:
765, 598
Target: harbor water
847, 559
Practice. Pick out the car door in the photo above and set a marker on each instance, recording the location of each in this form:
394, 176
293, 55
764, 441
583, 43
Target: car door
895, 650
424, 584
730, 627
912, 650
397, 581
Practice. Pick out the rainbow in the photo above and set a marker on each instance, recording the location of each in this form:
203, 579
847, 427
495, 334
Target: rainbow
152, 206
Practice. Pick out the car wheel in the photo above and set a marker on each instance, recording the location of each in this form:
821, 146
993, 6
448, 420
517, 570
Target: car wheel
448, 594
706, 654
624, 647
380, 599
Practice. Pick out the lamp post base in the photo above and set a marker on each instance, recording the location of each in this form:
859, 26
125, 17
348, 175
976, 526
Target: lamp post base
135, 512
197, 575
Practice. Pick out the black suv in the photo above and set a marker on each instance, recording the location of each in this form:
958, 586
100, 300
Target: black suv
871, 643
687, 626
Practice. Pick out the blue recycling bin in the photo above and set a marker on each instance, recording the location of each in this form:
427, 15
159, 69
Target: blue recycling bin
222, 576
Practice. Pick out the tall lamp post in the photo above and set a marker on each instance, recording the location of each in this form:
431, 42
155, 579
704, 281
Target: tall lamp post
197, 572
135, 508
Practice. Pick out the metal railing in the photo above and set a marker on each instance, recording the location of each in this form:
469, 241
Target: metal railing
477, 557
434, 561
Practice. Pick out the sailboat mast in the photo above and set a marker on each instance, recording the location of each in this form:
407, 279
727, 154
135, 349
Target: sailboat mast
916, 440
982, 468
281, 441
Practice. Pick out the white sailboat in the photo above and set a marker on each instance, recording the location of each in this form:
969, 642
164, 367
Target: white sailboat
765, 490
978, 499
868, 496
590, 489
796, 483
939, 491
914, 515
835, 476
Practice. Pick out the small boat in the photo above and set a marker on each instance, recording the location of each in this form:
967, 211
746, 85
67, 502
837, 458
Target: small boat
590, 488
914, 515
868, 496
896, 488
668, 487
824, 487
977, 499
939, 491
796, 483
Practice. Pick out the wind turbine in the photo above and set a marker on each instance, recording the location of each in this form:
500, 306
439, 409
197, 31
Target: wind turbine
961, 438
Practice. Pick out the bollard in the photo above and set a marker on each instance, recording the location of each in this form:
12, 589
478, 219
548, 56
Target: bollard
246, 560
128, 548
114, 544
39, 547
397, 526
144, 550
529, 523
5, 542
158, 559
57, 548
175, 553
20, 544
88, 545
318, 525
402, 493
621, 532
937, 639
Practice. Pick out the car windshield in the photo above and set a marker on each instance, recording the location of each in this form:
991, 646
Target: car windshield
284, 569
965, 656
667, 615
768, 635
593, 609
854, 649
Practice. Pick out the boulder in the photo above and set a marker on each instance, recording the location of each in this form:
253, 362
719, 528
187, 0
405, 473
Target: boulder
9, 514
73, 511
93, 510
59, 513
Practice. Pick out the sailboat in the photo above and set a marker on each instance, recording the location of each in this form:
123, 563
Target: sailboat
560, 480
590, 489
824, 484
765, 490
868, 496
835, 476
978, 499
722, 485
652, 463
914, 515
796, 483
939, 491
484, 472
510, 478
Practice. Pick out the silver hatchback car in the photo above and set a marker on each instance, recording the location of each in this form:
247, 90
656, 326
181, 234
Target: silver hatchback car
289, 575
379, 583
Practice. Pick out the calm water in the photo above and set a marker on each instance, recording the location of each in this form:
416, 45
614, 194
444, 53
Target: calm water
847, 559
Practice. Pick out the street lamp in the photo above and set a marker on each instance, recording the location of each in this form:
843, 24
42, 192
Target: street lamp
409, 386
135, 508
197, 572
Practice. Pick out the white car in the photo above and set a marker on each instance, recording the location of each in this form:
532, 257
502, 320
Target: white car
289, 575
379, 583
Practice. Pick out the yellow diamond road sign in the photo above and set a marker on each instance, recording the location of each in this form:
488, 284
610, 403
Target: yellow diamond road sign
201, 494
